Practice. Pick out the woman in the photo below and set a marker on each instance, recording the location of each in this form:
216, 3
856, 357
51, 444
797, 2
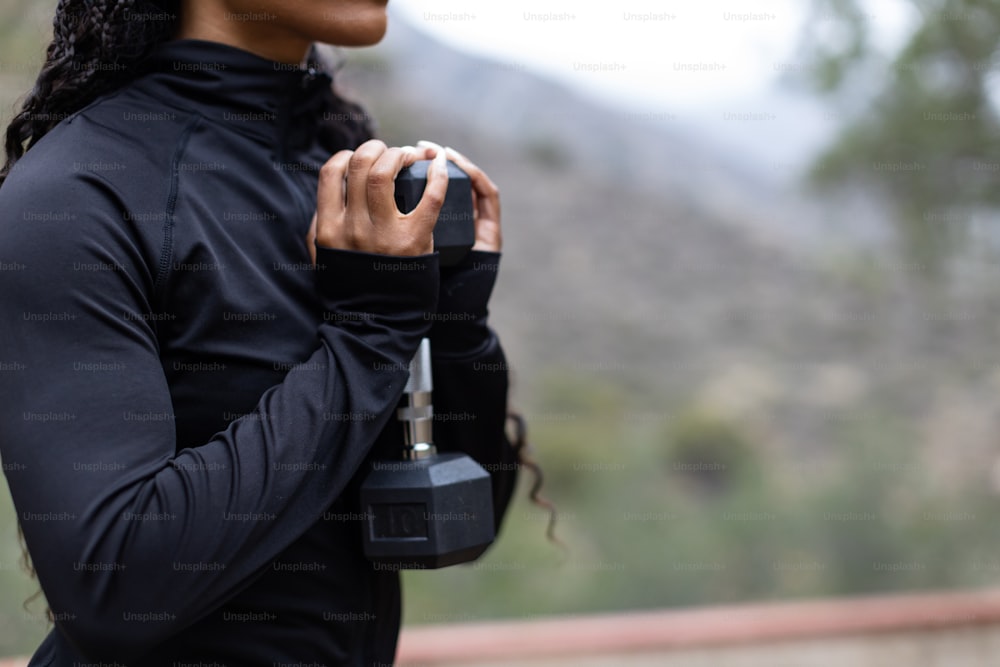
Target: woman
197, 389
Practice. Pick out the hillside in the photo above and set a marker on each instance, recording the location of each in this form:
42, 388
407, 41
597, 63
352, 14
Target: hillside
633, 255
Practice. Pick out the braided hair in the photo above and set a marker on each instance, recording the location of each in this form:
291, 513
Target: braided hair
97, 47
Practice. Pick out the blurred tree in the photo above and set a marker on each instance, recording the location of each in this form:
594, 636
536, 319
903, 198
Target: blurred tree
922, 124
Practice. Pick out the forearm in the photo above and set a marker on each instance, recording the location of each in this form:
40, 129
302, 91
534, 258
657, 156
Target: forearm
121, 526
470, 414
471, 374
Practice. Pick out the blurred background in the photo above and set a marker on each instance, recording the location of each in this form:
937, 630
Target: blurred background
750, 291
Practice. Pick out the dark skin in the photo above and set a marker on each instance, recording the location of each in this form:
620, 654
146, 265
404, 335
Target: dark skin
355, 209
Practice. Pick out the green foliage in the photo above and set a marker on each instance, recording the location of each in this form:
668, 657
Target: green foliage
843, 45
21, 629
863, 518
926, 131
710, 454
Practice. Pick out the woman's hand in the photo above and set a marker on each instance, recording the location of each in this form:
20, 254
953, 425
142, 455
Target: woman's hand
356, 203
485, 197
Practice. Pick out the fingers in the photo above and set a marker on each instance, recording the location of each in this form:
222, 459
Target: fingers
358, 168
487, 201
356, 203
429, 147
381, 187
429, 206
421, 153
330, 194
311, 239
328, 223
487, 193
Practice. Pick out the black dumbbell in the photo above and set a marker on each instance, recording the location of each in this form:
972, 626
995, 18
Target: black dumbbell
427, 510
455, 231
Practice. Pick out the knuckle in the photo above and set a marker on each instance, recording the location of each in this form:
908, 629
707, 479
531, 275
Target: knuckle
329, 170
371, 147
379, 177
434, 198
351, 237
358, 162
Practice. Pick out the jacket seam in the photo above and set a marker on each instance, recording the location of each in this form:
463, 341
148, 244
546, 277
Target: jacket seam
166, 251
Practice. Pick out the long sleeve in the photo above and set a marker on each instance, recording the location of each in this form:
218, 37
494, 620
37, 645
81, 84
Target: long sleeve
471, 375
115, 518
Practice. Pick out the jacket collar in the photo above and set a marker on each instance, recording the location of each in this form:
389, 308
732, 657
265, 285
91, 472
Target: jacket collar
278, 103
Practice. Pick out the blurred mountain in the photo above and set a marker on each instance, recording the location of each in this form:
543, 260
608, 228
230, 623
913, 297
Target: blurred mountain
613, 223
649, 151
638, 255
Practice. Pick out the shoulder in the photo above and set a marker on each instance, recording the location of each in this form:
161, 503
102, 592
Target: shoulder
125, 140
101, 177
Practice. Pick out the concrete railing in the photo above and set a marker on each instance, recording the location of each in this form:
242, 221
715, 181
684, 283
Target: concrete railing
953, 629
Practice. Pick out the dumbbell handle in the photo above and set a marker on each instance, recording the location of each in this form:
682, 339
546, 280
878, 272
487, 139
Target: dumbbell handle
417, 412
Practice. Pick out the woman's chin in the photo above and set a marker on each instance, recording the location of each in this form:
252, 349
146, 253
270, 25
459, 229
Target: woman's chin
366, 32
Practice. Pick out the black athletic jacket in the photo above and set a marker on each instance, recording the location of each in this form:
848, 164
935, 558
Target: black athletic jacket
186, 406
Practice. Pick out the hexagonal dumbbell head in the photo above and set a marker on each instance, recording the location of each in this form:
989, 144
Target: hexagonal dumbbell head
427, 513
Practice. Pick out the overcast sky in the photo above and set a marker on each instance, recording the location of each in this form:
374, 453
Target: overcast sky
664, 55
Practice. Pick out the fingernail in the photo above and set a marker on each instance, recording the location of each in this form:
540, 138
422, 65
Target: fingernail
441, 159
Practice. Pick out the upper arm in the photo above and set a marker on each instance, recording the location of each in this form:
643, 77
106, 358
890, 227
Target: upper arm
86, 402
107, 503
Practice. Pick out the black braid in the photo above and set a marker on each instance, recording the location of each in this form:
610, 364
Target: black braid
97, 46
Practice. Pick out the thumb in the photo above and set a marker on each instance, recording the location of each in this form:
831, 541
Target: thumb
311, 240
